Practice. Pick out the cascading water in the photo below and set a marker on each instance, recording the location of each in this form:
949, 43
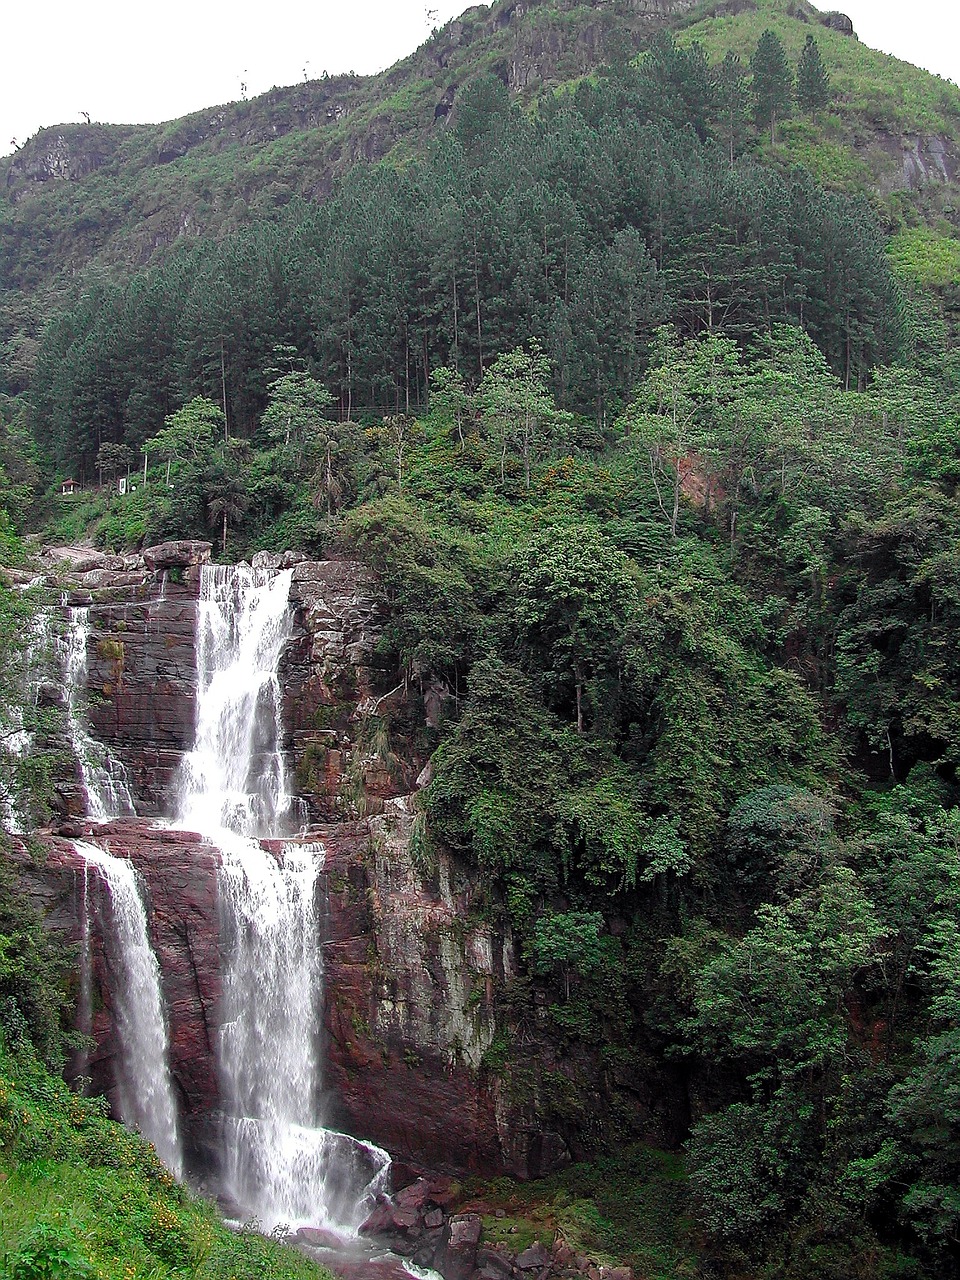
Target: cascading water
233, 787
144, 1085
104, 777
18, 736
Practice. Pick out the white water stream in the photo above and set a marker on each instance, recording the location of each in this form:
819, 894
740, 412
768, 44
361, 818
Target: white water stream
18, 736
279, 1164
146, 1094
104, 777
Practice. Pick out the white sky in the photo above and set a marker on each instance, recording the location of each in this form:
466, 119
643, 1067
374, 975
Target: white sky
128, 62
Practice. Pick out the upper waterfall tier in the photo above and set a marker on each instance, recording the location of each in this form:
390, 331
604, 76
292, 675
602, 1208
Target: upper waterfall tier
235, 777
104, 777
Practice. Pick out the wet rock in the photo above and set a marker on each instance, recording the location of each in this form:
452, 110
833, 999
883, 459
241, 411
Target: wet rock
383, 1220
268, 560
425, 1255
276, 560
415, 1196
433, 1218
494, 1262
16, 577
112, 579
402, 1174
318, 1238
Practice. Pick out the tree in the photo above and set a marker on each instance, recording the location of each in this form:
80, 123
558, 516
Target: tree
772, 83
732, 102
224, 492
297, 420
676, 411
814, 89
450, 403
517, 406
574, 592
112, 459
398, 431
569, 940
188, 434
296, 414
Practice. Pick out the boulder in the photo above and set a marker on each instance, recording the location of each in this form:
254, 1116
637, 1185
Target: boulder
415, 1196
276, 560
533, 1259
383, 1220
838, 22
101, 579
494, 1262
456, 1255
177, 555
318, 1238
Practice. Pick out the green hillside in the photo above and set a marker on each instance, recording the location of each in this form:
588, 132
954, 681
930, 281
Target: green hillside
628, 357
130, 192
881, 109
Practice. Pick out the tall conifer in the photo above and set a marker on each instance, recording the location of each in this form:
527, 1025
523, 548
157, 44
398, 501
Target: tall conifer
772, 83
814, 90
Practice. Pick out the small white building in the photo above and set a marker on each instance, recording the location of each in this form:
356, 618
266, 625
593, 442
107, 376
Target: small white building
69, 487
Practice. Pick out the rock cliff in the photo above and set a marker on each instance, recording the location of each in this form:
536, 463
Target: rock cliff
414, 974
409, 985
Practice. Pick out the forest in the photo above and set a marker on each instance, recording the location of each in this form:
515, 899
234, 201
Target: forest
652, 439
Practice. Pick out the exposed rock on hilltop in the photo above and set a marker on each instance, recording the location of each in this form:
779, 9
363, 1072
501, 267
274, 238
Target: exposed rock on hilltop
249, 158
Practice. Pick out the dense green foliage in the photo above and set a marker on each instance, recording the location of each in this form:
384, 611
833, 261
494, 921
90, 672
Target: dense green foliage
628, 1207
583, 227
652, 438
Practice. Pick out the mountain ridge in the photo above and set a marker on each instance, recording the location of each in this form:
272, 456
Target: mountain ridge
121, 193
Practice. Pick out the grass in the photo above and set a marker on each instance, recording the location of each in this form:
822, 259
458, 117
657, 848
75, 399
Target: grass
921, 255
880, 102
871, 86
80, 1196
627, 1209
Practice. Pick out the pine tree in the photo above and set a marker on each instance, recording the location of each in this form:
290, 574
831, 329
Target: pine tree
772, 83
814, 89
731, 103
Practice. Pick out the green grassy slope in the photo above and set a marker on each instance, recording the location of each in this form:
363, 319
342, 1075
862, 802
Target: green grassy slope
882, 105
80, 1196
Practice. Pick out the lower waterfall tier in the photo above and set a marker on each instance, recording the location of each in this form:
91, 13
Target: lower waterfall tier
406, 1018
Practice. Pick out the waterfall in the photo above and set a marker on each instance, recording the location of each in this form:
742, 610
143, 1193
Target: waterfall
85, 1002
104, 777
143, 1081
278, 1163
19, 735
235, 778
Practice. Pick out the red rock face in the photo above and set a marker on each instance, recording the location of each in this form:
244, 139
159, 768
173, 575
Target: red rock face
410, 978
179, 872
142, 681
391, 1076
